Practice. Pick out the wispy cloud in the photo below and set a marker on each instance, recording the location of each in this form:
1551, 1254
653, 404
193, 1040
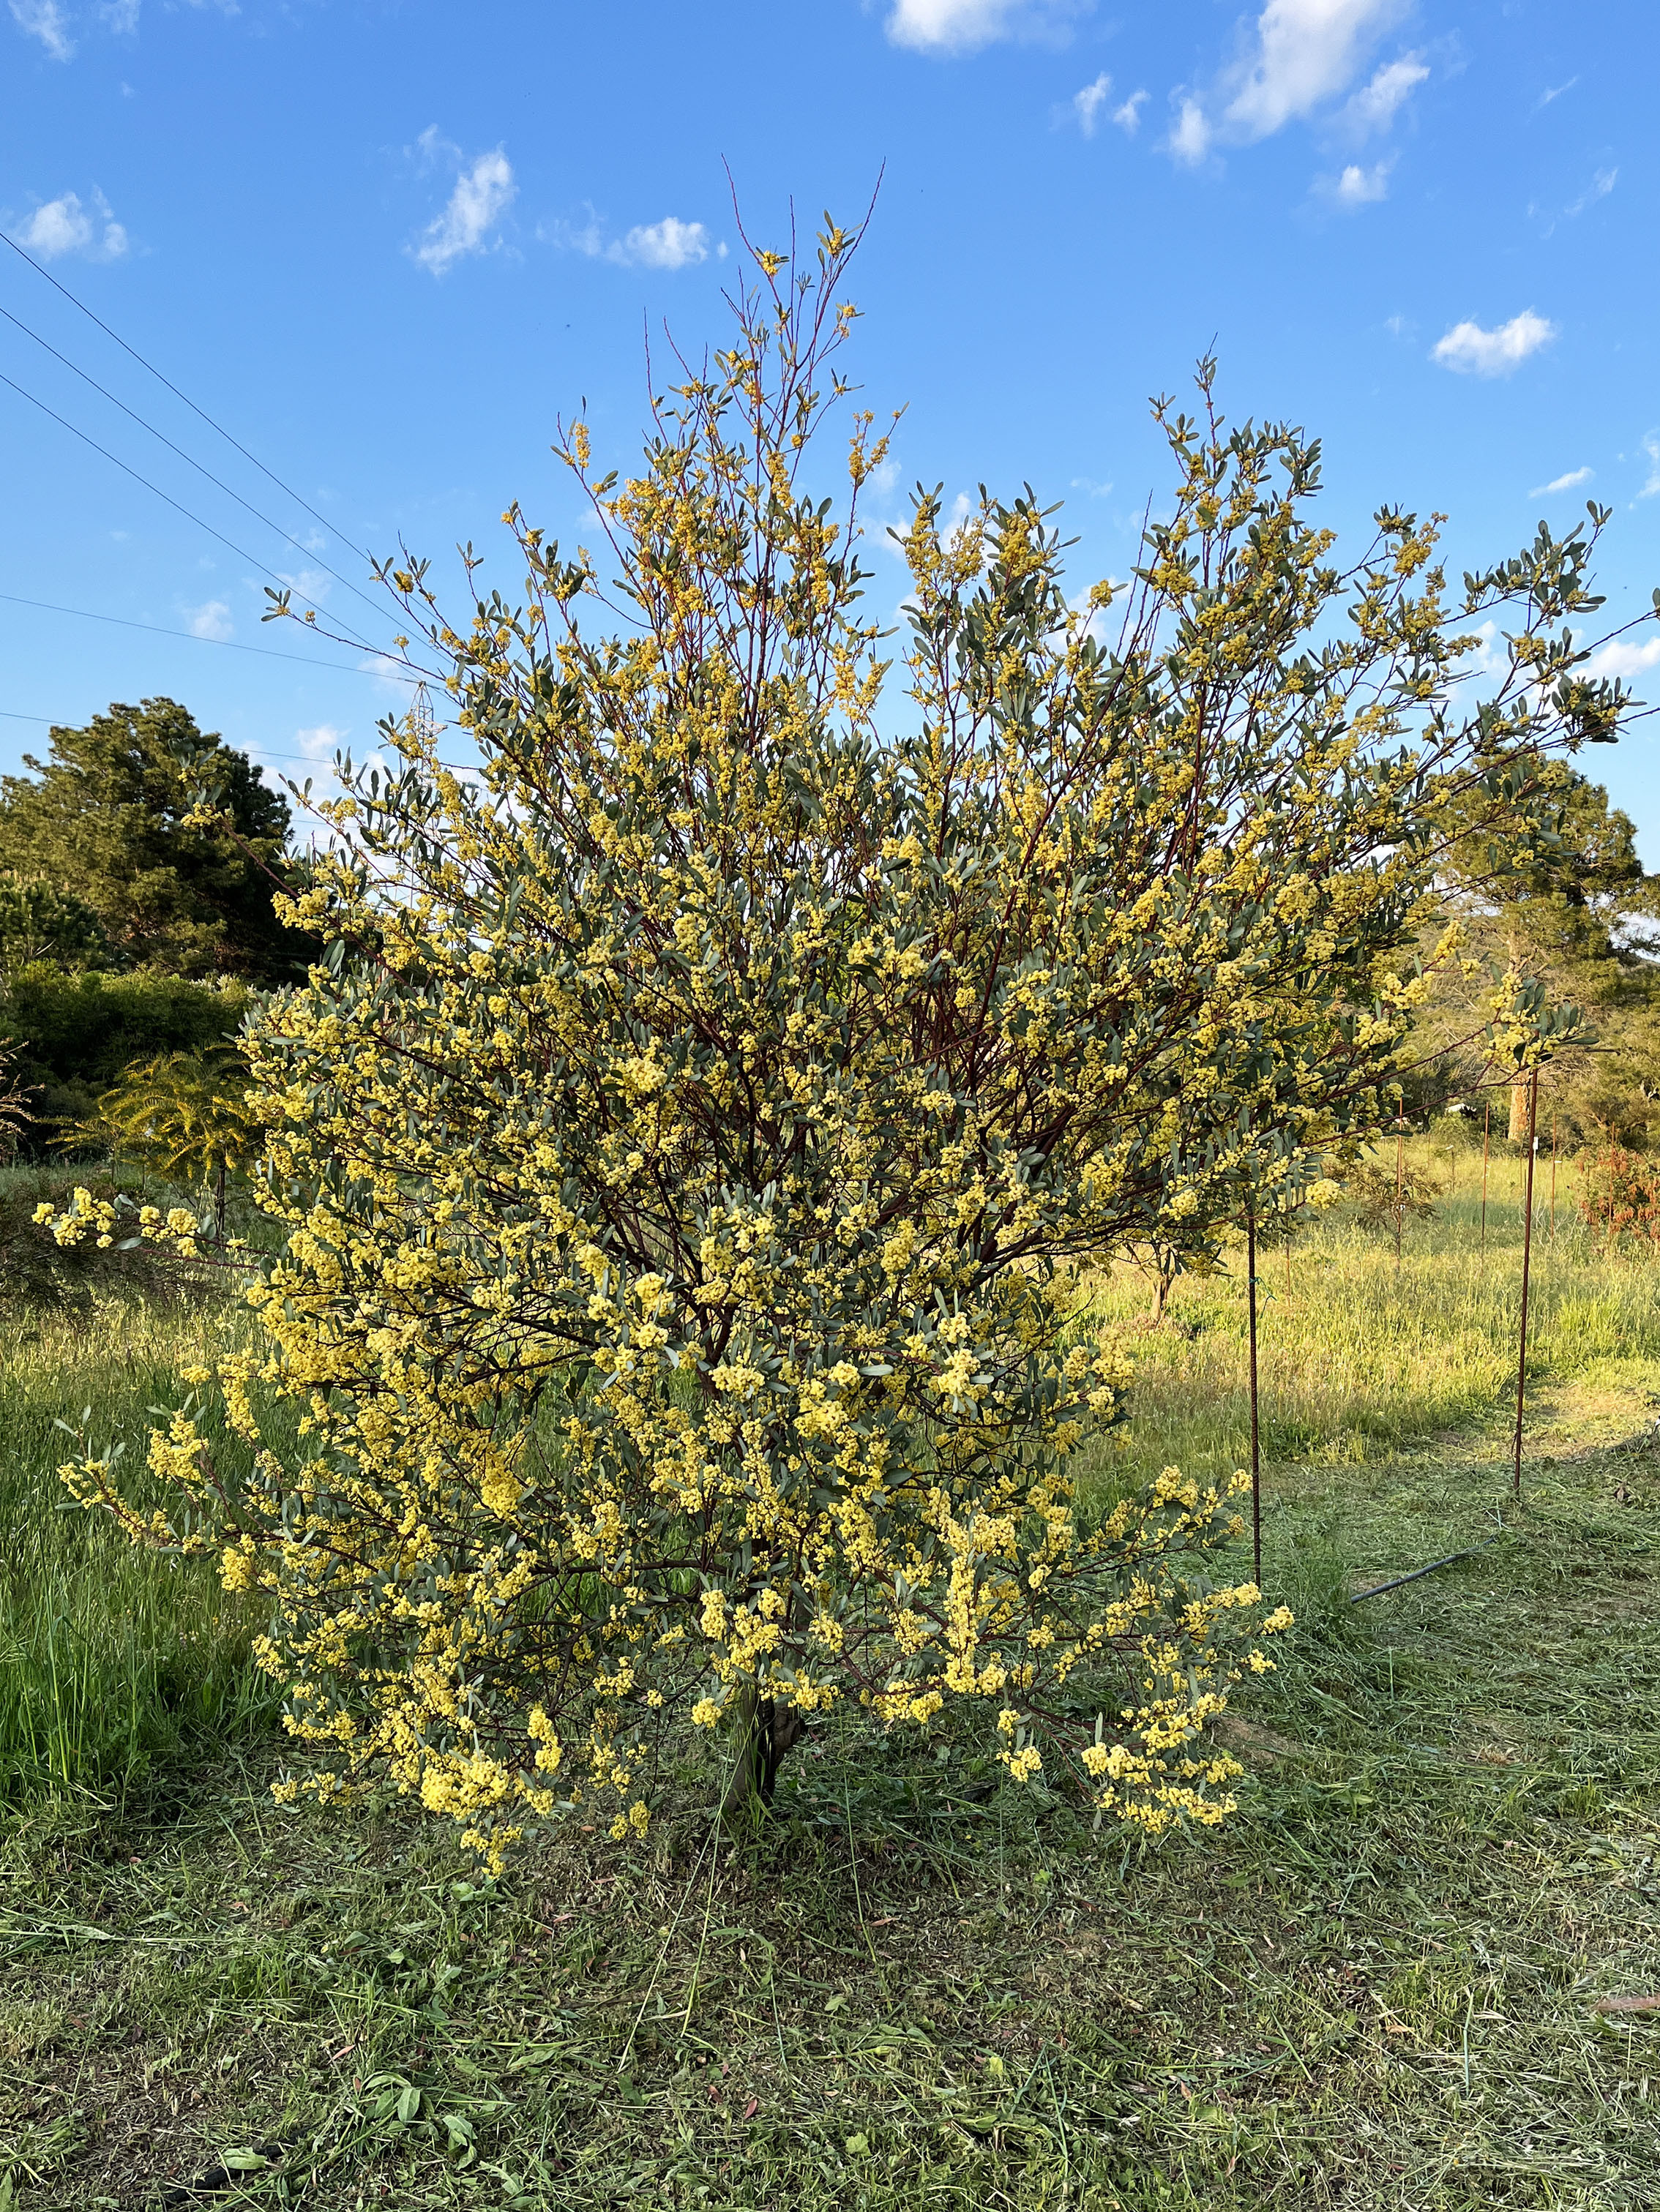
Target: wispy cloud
46, 20
1568, 483
121, 15
960, 27
391, 674
1088, 103
212, 621
1598, 189
482, 194
1304, 56
1651, 447
322, 742
70, 225
1375, 107
670, 244
1474, 351
310, 586
1190, 134
1358, 187
1553, 91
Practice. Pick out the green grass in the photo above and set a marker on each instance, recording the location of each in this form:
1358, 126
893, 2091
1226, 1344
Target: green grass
1373, 1991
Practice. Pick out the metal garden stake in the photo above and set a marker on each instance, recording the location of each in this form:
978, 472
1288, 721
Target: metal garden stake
1527, 1256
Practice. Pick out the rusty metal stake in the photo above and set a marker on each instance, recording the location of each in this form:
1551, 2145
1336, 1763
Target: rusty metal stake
1255, 1452
1527, 1256
1487, 1132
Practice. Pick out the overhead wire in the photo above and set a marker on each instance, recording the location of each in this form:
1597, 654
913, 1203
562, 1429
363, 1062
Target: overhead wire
327, 522
194, 637
241, 552
265, 752
133, 415
151, 368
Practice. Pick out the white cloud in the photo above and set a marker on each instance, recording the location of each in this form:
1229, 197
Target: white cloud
68, 225
1088, 484
1598, 189
1129, 115
46, 20
1303, 54
1190, 134
1651, 447
1359, 188
1088, 103
1621, 657
958, 26
1308, 51
211, 621
1375, 106
393, 674
310, 586
1561, 483
1474, 351
1555, 91
481, 195
322, 743
121, 15
670, 244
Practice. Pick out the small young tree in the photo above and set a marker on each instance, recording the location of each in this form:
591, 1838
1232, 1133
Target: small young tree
188, 1114
685, 1144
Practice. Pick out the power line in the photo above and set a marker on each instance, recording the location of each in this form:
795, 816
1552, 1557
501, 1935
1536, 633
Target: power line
151, 367
266, 752
177, 505
157, 629
133, 415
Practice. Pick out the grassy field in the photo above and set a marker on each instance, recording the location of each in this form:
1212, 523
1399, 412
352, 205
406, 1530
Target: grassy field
1378, 1988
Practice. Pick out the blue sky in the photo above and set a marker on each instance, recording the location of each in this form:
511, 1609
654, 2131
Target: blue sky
385, 245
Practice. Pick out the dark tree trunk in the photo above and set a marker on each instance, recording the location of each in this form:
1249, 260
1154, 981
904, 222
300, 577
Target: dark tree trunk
767, 1732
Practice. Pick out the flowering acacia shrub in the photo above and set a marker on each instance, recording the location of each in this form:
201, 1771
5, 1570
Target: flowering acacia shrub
685, 1147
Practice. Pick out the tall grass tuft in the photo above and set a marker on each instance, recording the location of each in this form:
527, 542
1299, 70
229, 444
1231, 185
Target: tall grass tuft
108, 1653
1361, 1357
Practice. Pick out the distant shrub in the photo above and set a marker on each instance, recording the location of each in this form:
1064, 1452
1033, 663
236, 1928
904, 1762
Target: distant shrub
1620, 1193
39, 1275
75, 1035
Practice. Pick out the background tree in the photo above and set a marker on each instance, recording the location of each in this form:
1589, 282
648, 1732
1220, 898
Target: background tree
685, 1147
1571, 906
40, 923
107, 818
